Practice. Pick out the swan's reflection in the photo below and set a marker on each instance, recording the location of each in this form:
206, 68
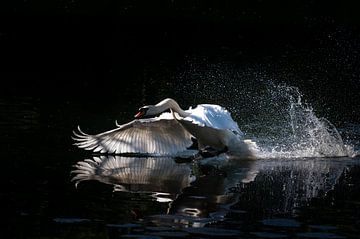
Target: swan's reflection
197, 191
211, 194
205, 190
161, 175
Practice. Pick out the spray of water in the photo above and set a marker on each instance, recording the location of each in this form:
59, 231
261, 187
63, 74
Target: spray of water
305, 134
274, 115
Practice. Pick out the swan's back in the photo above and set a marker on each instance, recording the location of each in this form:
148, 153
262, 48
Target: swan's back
213, 116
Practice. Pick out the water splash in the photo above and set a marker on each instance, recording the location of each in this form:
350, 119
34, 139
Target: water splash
304, 134
273, 114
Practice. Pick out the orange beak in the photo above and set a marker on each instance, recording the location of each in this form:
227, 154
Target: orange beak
139, 114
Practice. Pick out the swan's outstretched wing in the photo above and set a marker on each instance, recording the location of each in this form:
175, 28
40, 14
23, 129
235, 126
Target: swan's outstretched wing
146, 136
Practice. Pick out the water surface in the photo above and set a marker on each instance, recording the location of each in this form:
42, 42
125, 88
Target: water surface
149, 197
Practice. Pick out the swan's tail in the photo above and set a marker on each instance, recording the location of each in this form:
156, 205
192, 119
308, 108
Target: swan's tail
244, 149
251, 144
252, 148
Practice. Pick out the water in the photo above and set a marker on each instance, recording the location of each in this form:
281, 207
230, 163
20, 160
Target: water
305, 134
263, 198
274, 114
305, 183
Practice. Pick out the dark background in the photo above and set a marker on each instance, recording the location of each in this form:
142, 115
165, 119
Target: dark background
98, 52
58, 47
64, 63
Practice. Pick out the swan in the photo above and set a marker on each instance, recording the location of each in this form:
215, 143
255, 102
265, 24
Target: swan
171, 133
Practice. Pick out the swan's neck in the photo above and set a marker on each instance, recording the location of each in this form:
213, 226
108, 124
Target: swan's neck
171, 104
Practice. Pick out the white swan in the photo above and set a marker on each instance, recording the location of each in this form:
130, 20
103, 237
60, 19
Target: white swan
171, 133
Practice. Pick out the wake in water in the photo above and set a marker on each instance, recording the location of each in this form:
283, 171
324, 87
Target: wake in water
303, 133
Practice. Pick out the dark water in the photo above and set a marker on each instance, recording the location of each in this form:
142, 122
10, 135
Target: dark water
288, 73
160, 197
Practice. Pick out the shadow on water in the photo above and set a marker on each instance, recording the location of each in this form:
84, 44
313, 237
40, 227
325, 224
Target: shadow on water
218, 197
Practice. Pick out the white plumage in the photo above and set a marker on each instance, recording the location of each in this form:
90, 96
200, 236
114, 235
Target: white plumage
213, 116
157, 136
170, 133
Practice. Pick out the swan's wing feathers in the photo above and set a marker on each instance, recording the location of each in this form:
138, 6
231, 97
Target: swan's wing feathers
213, 116
147, 136
206, 136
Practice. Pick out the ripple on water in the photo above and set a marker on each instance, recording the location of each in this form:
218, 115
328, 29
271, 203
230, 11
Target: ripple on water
281, 222
323, 227
269, 235
318, 235
208, 231
170, 234
126, 225
70, 220
140, 236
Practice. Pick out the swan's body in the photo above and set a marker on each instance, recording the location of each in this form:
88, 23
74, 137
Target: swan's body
171, 133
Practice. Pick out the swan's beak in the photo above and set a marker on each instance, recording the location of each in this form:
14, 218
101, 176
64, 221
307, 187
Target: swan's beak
139, 114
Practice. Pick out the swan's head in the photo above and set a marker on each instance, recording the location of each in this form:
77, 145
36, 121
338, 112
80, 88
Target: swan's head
148, 110
151, 110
